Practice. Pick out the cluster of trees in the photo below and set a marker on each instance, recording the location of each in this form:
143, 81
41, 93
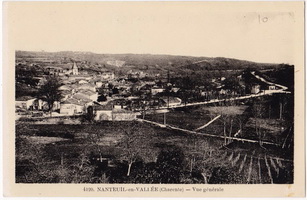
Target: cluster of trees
137, 160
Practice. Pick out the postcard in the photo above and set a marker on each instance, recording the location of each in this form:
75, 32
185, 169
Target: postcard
154, 99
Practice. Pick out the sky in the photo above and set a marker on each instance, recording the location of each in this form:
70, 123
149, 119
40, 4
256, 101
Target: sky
195, 29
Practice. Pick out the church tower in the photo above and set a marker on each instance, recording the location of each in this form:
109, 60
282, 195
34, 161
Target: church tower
75, 69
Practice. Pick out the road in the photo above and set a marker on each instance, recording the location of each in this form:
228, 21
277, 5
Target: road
262, 93
268, 82
205, 134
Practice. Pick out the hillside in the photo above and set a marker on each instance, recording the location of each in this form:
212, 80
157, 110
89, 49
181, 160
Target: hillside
146, 62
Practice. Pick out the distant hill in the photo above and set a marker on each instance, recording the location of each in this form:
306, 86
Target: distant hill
145, 62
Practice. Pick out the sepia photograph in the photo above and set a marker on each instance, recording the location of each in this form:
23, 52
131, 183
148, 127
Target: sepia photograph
116, 95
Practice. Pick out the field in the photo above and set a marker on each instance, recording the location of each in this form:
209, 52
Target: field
63, 146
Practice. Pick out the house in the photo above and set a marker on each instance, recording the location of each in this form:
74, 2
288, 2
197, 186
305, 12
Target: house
146, 89
223, 91
98, 84
73, 105
107, 113
66, 94
272, 87
123, 115
87, 86
255, 89
53, 70
107, 75
136, 74
103, 112
25, 102
171, 101
155, 90
175, 89
66, 87
43, 105
70, 70
82, 82
88, 94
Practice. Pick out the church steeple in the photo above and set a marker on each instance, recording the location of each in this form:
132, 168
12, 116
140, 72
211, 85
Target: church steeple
75, 69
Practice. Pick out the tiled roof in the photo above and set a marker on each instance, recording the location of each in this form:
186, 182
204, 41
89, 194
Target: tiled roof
86, 92
87, 85
65, 87
81, 97
65, 92
171, 99
75, 101
72, 101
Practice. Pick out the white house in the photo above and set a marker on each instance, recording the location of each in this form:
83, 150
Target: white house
71, 107
171, 101
43, 105
25, 102
156, 90
114, 115
74, 106
123, 115
98, 83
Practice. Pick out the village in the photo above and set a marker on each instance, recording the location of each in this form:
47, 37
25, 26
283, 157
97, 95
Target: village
110, 108
189, 94
125, 97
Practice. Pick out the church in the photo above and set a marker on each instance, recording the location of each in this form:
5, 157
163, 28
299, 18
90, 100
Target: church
71, 70
75, 69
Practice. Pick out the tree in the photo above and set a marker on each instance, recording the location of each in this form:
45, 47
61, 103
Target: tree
170, 164
102, 98
90, 114
30, 167
233, 85
49, 92
135, 142
258, 111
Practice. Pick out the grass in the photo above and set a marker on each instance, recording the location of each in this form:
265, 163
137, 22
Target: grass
110, 134
45, 140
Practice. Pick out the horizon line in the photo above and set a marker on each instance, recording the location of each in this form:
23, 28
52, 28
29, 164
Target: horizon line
153, 54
